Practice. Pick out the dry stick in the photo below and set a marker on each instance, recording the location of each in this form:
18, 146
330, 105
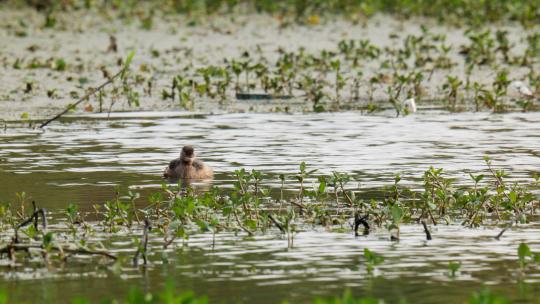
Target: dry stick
345, 193
34, 218
277, 223
147, 228
9, 249
85, 97
426, 230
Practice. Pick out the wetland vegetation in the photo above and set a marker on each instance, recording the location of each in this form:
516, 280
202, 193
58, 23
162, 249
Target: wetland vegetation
376, 151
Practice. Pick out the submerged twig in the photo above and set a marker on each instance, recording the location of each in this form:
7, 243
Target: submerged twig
500, 234
426, 230
11, 248
503, 231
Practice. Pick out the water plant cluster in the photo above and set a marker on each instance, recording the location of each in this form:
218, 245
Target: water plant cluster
333, 203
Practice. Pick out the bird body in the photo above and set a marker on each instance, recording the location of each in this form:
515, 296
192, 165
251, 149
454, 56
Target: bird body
522, 88
410, 105
187, 167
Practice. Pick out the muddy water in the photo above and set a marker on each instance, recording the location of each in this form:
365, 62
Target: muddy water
81, 160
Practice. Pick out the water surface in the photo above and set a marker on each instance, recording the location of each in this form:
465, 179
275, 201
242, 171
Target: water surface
81, 159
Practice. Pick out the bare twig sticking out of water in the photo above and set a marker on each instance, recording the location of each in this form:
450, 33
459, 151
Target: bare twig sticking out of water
277, 223
120, 73
85, 97
361, 220
33, 218
142, 249
426, 230
498, 237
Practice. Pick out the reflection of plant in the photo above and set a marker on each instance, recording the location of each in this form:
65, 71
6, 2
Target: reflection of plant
526, 256
487, 297
372, 260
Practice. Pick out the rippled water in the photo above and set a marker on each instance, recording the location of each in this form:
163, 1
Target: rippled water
81, 159
70, 161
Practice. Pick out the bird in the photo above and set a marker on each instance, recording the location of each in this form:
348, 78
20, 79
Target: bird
410, 105
522, 88
188, 167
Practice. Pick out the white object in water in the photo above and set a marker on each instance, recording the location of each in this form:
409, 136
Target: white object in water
522, 88
410, 104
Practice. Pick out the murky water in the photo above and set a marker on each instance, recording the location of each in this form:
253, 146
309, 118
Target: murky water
81, 159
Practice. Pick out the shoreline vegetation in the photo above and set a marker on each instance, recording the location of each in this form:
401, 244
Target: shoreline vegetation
474, 68
453, 12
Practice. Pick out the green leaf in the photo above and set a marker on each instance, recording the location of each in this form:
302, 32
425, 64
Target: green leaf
203, 225
397, 213
322, 186
513, 197
524, 251
251, 224
31, 231
127, 63
48, 239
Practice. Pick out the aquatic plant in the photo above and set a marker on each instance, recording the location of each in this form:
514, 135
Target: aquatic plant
451, 87
176, 212
453, 268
